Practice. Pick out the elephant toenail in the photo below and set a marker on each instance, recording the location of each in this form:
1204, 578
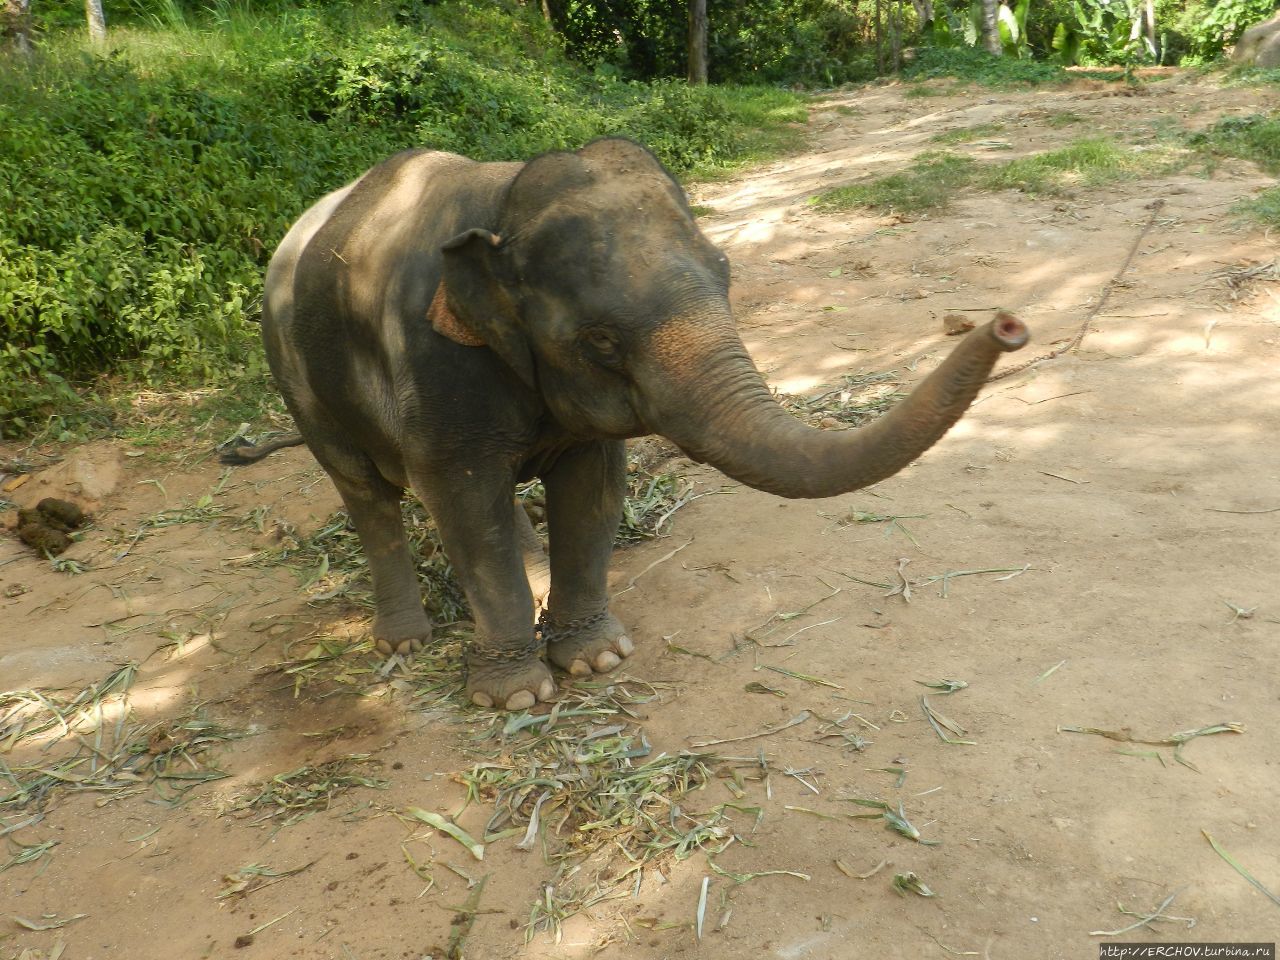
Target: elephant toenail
607, 661
383, 647
580, 668
547, 689
625, 646
482, 699
520, 700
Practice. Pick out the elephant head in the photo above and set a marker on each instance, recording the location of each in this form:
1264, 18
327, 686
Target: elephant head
600, 292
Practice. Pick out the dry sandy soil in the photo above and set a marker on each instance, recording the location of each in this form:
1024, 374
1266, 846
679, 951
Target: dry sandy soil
1131, 487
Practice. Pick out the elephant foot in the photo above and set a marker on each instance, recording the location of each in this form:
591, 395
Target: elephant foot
589, 645
404, 648
405, 641
507, 679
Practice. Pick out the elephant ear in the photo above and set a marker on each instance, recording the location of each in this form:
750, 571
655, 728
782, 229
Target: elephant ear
477, 306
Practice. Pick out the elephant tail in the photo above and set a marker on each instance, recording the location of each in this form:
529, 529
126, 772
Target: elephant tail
238, 451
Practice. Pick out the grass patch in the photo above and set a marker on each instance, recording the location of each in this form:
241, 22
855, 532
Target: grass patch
968, 134
1062, 118
1263, 208
935, 178
1255, 137
1253, 77
928, 185
1085, 163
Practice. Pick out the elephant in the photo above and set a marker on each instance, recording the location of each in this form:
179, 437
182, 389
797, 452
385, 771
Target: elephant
458, 327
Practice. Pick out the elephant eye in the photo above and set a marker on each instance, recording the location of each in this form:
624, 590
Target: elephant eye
599, 340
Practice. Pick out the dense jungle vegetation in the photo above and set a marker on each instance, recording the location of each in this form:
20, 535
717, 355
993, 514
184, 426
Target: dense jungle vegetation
145, 179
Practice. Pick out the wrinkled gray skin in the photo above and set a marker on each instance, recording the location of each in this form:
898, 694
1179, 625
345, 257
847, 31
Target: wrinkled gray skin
600, 313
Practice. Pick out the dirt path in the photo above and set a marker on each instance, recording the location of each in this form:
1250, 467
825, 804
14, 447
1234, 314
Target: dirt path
1121, 491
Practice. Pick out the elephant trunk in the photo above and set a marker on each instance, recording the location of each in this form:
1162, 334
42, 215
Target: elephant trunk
718, 409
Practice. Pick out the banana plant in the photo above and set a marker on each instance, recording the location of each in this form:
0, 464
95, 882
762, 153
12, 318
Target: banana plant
1012, 25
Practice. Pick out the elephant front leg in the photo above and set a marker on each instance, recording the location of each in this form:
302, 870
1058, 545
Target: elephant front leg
585, 491
478, 529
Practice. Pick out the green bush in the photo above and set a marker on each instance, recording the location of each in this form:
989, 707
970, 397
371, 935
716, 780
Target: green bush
142, 193
978, 66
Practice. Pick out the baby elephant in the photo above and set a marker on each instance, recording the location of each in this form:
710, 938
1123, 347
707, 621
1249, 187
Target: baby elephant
460, 327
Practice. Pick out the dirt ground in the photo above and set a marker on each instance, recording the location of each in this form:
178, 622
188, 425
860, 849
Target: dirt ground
1127, 493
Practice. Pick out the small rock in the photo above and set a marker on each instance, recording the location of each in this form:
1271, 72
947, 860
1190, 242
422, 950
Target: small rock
954, 324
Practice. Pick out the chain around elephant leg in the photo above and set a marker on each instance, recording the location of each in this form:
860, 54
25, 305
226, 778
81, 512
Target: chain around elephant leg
597, 643
507, 677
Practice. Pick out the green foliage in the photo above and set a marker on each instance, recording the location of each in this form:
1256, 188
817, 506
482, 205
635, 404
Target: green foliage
1100, 33
1254, 137
978, 66
1012, 25
136, 221
142, 193
1207, 26
959, 24
813, 42
929, 184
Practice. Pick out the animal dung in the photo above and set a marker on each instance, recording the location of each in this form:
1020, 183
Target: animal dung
47, 528
61, 514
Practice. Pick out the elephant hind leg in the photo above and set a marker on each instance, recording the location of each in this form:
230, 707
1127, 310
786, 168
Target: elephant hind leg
537, 568
400, 623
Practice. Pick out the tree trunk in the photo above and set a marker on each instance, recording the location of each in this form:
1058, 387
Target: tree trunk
97, 21
698, 41
990, 27
15, 26
1150, 18
895, 34
924, 13
879, 42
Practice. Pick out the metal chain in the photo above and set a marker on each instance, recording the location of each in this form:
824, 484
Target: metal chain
547, 631
531, 649
554, 631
